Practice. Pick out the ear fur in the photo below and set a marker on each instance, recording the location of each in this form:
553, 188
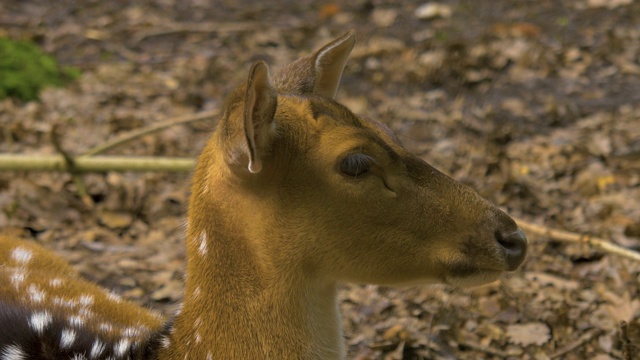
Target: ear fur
318, 73
329, 64
259, 109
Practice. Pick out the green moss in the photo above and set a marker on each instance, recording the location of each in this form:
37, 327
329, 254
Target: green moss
25, 70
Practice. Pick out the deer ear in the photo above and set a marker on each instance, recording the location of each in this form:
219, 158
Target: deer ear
259, 111
329, 62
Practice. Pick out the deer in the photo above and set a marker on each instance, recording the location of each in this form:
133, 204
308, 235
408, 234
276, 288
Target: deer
292, 195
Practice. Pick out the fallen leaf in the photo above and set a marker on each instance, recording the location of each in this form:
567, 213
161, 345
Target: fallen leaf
115, 219
433, 10
535, 333
329, 10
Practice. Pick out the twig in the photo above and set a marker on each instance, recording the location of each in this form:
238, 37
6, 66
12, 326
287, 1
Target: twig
627, 345
70, 164
149, 130
198, 28
565, 236
488, 350
85, 164
586, 337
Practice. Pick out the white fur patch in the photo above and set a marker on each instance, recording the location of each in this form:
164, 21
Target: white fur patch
67, 338
39, 321
35, 294
75, 321
69, 303
122, 347
165, 341
131, 332
55, 282
86, 300
18, 276
105, 327
21, 255
96, 349
12, 352
197, 323
203, 248
113, 296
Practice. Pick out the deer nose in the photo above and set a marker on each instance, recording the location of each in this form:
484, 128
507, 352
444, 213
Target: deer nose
514, 246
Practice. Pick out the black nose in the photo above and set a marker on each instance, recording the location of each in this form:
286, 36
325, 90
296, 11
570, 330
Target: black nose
515, 248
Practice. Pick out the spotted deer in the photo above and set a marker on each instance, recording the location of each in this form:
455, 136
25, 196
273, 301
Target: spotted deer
292, 195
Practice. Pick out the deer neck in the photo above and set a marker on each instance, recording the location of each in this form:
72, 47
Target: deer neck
239, 303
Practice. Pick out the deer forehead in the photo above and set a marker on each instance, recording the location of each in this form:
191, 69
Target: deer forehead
324, 117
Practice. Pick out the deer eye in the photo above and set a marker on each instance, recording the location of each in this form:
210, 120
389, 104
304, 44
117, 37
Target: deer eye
355, 165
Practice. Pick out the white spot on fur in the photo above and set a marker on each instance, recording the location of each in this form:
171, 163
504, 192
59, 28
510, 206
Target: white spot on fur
165, 341
38, 321
197, 323
78, 357
21, 255
122, 347
76, 321
196, 292
85, 312
198, 338
55, 282
67, 338
35, 294
113, 296
105, 327
17, 278
157, 314
203, 248
13, 352
130, 332
68, 303
209, 356
96, 349
86, 300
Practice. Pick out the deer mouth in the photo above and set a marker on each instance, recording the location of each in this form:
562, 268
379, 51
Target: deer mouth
467, 273
480, 277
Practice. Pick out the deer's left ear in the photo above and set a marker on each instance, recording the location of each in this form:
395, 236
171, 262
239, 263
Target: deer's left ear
329, 62
259, 110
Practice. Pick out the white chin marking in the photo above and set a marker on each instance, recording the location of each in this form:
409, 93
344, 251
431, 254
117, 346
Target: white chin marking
473, 280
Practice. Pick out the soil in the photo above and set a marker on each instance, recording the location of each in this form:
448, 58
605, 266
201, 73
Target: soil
535, 104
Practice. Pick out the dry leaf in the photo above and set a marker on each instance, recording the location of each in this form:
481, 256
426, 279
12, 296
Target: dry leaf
611, 4
529, 334
433, 10
622, 308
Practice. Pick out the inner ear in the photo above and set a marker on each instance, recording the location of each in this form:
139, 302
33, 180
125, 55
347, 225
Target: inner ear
259, 111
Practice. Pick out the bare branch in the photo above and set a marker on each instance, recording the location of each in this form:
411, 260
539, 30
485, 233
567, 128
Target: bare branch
85, 164
566, 236
69, 163
218, 27
131, 135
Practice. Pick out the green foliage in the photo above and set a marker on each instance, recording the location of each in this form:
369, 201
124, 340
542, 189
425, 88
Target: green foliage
25, 70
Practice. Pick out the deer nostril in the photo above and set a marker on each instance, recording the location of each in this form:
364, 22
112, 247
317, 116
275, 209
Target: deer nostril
515, 248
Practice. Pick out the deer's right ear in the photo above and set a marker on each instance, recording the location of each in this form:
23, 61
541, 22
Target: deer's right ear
259, 110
